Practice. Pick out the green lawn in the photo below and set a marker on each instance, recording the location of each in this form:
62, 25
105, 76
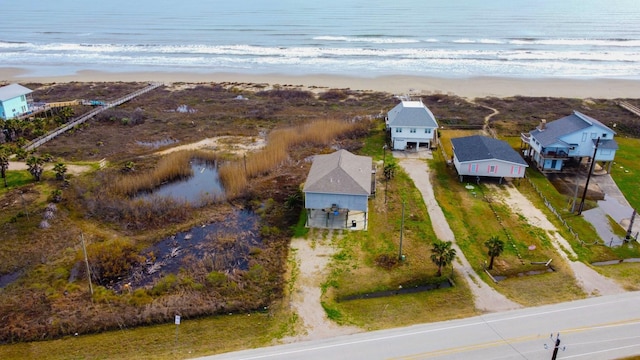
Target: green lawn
626, 169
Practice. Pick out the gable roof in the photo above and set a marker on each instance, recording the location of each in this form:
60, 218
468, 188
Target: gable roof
13, 91
340, 173
476, 147
554, 130
411, 113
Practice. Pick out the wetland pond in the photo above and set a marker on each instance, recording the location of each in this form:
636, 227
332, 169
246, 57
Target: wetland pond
202, 185
222, 246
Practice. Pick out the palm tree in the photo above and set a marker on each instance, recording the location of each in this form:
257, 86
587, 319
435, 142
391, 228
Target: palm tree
4, 163
36, 166
495, 247
442, 254
390, 170
60, 169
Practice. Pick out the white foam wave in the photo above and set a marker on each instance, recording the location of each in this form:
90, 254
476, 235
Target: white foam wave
577, 42
367, 39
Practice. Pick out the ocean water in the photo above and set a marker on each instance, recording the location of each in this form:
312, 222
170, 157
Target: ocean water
453, 38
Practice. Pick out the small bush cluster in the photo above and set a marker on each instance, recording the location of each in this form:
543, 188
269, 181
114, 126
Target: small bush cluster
111, 260
287, 94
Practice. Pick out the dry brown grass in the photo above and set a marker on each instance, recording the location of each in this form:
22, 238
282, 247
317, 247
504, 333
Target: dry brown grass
235, 176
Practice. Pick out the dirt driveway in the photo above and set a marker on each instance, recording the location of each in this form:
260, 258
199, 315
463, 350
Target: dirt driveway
486, 298
590, 280
312, 257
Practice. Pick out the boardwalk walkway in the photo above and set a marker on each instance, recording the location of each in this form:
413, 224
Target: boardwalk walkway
629, 107
43, 139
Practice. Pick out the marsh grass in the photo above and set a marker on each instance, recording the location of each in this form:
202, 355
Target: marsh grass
173, 166
236, 175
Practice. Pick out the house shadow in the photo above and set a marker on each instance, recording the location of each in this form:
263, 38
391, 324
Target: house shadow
340, 219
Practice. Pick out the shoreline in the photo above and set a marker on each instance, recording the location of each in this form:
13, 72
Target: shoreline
471, 87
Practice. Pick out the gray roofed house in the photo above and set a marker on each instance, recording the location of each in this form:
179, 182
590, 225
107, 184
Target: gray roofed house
551, 146
482, 156
14, 101
412, 126
338, 187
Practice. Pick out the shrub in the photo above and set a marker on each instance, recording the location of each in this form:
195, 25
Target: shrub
165, 285
111, 260
140, 297
216, 278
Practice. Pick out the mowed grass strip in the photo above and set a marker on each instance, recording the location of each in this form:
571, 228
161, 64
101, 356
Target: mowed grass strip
192, 338
626, 169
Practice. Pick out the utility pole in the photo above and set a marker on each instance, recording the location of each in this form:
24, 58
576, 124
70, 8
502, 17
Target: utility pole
556, 348
575, 195
586, 186
401, 232
86, 261
384, 172
628, 236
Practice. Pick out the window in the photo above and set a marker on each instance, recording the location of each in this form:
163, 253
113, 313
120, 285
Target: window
584, 136
398, 130
604, 136
22, 98
412, 130
474, 168
493, 169
594, 135
427, 131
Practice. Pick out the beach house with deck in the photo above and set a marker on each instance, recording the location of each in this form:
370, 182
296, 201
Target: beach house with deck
15, 100
554, 145
412, 126
337, 190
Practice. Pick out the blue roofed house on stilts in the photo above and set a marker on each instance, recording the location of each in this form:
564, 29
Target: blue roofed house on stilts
567, 141
15, 101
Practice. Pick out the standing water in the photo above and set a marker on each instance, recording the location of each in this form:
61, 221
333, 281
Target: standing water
203, 184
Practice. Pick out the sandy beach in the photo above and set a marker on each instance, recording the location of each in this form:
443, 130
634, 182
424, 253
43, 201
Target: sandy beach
473, 87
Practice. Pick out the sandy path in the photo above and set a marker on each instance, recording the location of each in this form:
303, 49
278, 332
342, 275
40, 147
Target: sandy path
486, 298
234, 144
590, 280
312, 262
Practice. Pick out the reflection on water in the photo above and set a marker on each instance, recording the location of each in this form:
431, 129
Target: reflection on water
205, 182
9, 278
222, 246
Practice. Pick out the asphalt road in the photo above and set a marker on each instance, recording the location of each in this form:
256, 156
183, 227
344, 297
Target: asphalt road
606, 327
